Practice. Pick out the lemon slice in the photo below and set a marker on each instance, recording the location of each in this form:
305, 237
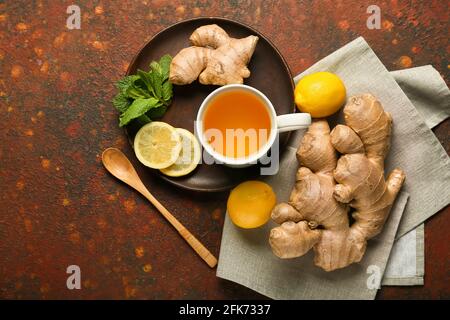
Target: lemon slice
189, 156
157, 145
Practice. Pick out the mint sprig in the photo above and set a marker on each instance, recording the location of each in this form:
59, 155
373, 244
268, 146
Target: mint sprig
146, 95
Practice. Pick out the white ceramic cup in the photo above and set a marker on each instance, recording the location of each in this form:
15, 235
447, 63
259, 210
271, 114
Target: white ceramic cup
282, 123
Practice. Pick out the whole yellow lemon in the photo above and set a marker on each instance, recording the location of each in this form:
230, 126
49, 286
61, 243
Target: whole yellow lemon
320, 94
250, 203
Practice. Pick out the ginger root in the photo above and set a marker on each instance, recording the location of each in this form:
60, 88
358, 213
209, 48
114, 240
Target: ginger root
316, 215
215, 58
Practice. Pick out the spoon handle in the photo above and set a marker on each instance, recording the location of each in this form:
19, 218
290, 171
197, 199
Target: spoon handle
189, 237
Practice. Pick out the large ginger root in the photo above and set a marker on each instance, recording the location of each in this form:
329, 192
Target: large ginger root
215, 58
317, 213
360, 170
321, 222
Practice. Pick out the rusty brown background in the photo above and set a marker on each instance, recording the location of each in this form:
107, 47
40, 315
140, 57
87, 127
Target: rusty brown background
58, 206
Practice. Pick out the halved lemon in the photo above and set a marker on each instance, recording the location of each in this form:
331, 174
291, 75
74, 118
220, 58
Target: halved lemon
189, 156
157, 145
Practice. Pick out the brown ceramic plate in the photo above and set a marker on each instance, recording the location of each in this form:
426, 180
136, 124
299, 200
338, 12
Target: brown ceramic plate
269, 73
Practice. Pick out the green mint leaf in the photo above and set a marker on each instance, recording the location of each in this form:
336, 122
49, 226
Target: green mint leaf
155, 67
136, 92
144, 119
145, 77
156, 80
157, 112
121, 102
139, 83
167, 91
124, 83
164, 63
139, 107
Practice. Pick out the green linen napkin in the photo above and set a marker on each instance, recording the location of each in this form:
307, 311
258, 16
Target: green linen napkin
430, 95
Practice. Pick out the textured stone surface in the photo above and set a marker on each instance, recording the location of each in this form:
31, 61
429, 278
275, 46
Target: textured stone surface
59, 207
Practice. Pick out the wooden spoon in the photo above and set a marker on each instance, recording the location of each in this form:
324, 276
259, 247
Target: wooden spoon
119, 166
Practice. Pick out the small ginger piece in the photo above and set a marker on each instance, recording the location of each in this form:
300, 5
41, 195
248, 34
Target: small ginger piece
316, 215
292, 239
215, 58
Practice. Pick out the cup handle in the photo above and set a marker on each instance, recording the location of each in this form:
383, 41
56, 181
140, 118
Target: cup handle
293, 121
